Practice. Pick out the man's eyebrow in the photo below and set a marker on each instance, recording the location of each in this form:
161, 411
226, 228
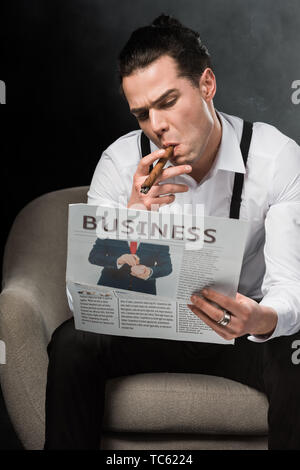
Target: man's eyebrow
156, 102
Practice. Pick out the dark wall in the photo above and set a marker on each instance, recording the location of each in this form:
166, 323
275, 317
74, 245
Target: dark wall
63, 107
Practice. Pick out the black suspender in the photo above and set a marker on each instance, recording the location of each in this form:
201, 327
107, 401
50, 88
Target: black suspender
238, 178
145, 147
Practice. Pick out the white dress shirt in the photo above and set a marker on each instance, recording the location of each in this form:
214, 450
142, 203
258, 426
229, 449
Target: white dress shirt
270, 202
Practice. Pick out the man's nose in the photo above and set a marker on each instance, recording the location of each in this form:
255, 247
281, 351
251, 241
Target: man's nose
158, 121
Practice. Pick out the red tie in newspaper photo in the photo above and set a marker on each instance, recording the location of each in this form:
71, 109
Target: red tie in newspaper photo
133, 247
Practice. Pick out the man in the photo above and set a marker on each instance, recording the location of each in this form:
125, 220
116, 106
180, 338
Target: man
132, 266
234, 169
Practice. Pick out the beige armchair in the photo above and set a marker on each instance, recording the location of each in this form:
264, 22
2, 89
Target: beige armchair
145, 411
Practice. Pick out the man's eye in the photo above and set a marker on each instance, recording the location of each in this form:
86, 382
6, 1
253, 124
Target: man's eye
142, 117
168, 104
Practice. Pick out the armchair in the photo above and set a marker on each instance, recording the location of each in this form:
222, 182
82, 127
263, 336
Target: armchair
145, 411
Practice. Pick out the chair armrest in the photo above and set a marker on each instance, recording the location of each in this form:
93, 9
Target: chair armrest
23, 377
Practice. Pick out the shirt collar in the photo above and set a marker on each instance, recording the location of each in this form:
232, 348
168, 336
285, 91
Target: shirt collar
229, 156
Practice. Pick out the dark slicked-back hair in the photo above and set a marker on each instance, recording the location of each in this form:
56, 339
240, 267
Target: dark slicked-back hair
165, 36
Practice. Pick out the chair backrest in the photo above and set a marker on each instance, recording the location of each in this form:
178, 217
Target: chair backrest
35, 253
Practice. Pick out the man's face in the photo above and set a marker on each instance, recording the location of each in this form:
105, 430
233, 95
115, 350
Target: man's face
170, 110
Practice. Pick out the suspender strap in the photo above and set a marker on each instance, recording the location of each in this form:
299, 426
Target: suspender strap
239, 177
145, 147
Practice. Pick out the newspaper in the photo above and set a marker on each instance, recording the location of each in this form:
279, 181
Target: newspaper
168, 257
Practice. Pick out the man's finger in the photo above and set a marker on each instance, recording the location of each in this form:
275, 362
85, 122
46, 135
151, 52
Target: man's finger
130, 260
212, 311
222, 300
145, 162
167, 188
224, 332
154, 203
173, 171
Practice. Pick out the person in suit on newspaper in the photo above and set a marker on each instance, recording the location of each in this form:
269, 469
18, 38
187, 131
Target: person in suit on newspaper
131, 265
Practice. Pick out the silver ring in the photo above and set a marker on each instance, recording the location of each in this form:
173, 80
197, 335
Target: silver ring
226, 318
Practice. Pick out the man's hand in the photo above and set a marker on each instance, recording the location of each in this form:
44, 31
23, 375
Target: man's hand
159, 194
247, 316
132, 260
140, 271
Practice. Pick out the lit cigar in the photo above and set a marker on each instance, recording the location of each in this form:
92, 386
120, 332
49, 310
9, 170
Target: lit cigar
157, 170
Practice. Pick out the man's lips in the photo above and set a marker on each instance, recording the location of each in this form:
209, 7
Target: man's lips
176, 149
168, 144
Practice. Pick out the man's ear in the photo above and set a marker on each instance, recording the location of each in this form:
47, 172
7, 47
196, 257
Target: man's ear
208, 84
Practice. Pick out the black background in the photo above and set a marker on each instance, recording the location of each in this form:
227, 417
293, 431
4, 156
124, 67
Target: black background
58, 60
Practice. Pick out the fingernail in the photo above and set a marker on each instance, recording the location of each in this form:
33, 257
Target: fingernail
188, 168
161, 152
204, 291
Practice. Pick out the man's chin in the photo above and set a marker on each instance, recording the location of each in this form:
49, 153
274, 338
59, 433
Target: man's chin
179, 160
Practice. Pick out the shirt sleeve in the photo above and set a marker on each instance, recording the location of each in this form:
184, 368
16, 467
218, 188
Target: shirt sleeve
107, 188
281, 283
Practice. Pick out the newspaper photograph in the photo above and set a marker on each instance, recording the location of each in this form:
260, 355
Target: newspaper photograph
132, 272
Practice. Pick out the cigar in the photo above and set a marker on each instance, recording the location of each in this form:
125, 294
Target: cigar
157, 170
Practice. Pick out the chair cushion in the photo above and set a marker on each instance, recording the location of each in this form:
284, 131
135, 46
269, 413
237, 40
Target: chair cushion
184, 403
